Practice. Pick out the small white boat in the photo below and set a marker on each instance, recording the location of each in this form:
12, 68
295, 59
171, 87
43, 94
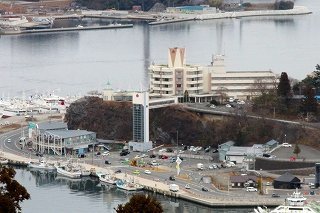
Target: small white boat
296, 203
3, 161
84, 172
68, 170
107, 178
129, 186
41, 165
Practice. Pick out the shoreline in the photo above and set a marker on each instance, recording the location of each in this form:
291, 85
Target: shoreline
297, 10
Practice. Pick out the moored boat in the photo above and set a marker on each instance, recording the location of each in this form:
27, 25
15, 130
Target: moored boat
107, 178
68, 170
41, 165
296, 203
129, 186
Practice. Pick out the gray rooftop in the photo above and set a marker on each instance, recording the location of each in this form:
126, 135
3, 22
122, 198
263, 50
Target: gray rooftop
228, 143
242, 178
287, 177
272, 142
236, 153
50, 125
69, 133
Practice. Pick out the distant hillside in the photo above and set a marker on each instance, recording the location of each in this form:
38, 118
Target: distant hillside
113, 120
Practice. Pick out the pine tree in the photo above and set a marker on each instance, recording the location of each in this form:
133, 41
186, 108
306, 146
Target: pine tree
296, 150
284, 87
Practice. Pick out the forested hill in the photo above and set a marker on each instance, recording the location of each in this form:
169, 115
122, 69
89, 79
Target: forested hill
113, 120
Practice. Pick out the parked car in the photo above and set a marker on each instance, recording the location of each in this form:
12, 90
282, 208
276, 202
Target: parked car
152, 156
214, 150
275, 195
154, 163
106, 153
81, 155
169, 150
164, 157
98, 153
212, 106
136, 172
204, 189
144, 156
124, 152
173, 159
228, 106
286, 145
39, 154
147, 172
107, 162
187, 186
251, 189
118, 171
172, 178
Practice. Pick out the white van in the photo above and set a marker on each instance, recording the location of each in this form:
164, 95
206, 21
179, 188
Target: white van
251, 189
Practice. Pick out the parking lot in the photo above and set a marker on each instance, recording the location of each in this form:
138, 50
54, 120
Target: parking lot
307, 153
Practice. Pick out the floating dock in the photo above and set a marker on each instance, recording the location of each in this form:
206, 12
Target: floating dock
17, 32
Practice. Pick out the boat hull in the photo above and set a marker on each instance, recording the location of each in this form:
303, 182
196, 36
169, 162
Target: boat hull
62, 171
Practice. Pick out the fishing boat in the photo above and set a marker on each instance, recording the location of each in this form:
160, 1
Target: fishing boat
68, 170
41, 165
128, 186
107, 178
296, 203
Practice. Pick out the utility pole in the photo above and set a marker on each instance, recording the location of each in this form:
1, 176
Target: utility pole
177, 142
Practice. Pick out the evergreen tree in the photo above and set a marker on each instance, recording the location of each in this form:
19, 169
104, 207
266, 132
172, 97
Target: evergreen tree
296, 150
284, 87
140, 203
309, 103
11, 192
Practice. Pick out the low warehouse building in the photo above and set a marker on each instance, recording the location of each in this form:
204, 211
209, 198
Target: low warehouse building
287, 181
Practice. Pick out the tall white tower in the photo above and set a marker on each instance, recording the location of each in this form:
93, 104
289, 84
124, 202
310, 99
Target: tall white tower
140, 141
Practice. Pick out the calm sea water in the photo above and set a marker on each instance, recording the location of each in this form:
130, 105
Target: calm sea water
51, 193
76, 62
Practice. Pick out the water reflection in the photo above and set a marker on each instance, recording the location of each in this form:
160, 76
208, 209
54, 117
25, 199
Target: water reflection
43, 177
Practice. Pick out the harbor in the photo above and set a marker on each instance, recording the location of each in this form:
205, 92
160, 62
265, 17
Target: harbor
163, 189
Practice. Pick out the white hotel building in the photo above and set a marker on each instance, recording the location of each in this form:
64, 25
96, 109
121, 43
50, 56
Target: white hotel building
204, 83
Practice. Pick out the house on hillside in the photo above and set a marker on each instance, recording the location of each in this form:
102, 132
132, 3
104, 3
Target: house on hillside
223, 149
242, 181
270, 145
287, 181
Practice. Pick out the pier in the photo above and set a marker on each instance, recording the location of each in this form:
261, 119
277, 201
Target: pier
176, 17
17, 32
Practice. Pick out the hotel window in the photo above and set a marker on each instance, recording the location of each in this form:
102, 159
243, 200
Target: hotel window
178, 85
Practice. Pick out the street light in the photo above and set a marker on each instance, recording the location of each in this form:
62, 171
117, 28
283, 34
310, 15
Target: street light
285, 138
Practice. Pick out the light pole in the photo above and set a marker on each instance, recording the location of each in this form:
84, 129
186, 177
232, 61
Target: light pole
177, 142
285, 138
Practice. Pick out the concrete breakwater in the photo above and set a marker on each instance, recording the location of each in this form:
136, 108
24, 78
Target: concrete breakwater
78, 28
172, 18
